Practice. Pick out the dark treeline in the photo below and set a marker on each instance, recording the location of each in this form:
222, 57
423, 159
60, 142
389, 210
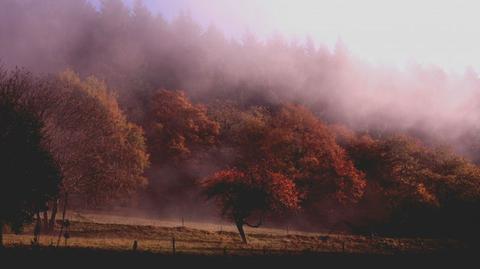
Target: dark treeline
250, 115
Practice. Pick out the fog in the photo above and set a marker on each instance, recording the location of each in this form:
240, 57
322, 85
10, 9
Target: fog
428, 32
352, 69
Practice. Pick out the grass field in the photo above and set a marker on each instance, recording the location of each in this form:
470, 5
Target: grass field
114, 232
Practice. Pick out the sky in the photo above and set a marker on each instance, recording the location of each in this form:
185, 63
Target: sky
429, 32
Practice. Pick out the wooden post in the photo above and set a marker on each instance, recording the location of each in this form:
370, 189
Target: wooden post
66, 234
343, 246
135, 245
173, 245
36, 232
53, 216
63, 219
67, 231
420, 242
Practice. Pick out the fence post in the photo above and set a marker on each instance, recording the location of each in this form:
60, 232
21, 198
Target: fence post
173, 245
36, 232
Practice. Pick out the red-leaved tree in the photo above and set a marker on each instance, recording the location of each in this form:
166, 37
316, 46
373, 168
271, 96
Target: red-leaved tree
255, 192
293, 144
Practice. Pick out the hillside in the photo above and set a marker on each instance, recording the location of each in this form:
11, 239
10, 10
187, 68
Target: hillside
110, 232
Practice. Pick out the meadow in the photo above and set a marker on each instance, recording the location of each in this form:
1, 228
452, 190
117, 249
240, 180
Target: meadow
118, 233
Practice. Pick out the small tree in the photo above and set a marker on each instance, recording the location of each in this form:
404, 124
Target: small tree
254, 192
29, 175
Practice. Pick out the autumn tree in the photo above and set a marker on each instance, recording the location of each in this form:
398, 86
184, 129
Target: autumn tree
176, 127
292, 143
180, 135
428, 187
413, 188
29, 175
101, 154
254, 192
299, 145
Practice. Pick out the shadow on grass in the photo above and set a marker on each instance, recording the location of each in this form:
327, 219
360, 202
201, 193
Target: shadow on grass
17, 257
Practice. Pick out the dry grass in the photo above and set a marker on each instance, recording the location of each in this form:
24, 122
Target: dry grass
102, 231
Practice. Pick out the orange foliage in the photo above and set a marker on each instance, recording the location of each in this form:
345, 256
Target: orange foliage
101, 154
290, 144
175, 127
301, 147
422, 190
242, 193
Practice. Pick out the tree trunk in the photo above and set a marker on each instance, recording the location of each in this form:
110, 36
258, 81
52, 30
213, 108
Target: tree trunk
45, 220
239, 224
51, 224
38, 228
65, 203
37, 214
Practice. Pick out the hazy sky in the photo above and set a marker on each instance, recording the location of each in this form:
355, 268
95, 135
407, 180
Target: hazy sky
445, 33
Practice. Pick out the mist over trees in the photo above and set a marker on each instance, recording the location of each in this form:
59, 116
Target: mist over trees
180, 138
318, 137
137, 53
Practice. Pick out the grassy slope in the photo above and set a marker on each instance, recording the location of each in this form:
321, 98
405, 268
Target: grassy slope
118, 233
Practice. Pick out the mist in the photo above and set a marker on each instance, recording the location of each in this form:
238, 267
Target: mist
137, 49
